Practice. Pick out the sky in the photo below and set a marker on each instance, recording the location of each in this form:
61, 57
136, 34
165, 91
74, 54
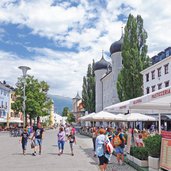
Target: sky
57, 39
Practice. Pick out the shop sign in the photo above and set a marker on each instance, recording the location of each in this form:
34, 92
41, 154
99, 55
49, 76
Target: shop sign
165, 156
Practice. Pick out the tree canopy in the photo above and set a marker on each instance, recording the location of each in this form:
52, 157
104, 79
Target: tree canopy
135, 59
65, 111
37, 102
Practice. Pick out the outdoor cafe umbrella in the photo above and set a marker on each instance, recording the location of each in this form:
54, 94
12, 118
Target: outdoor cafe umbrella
105, 116
87, 117
133, 117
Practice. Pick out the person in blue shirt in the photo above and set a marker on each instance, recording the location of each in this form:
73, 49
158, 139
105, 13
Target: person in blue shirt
100, 150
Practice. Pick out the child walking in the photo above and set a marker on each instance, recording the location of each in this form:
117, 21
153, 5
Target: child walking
24, 138
71, 141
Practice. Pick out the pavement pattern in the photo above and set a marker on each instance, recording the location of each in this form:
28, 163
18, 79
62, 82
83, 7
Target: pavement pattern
12, 159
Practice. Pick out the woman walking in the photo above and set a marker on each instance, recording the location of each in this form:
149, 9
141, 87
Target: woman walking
100, 150
61, 140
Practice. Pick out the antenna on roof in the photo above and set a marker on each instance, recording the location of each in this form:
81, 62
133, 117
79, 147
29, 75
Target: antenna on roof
102, 53
122, 31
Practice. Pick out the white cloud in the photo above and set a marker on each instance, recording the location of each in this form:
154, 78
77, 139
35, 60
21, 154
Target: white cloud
91, 27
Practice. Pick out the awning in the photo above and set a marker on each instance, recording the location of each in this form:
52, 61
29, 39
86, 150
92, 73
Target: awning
156, 102
168, 116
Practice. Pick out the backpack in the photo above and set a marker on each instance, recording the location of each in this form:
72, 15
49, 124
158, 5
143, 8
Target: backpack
117, 141
108, 147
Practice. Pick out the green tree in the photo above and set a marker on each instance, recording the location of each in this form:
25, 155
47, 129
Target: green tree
65, 111
88, 89
135, 59
37, 102
70, 117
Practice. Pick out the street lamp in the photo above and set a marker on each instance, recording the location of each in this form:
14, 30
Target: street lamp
24, 70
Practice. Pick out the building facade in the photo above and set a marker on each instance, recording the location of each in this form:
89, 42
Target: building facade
77, 107
5, 93
106, 75
158, 75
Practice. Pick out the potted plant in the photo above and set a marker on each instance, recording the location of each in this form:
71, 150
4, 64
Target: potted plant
153, 145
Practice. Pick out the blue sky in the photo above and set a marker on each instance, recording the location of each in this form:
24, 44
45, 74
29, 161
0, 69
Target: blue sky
57, 39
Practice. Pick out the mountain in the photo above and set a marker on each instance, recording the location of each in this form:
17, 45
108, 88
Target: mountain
60, 102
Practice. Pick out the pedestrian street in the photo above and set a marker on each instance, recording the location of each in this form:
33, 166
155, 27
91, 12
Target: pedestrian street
12, 159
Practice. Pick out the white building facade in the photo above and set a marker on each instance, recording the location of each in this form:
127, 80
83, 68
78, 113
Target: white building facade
158, 75
106, 75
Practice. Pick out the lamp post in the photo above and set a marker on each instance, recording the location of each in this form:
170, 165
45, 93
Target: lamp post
24, 71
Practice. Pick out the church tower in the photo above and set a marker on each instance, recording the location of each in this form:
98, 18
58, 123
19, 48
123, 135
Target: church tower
100, 69
116, 56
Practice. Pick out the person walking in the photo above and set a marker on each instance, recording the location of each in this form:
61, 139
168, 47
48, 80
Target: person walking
72, 140
38, 136
67, 131
94, 135
100, 150
23, 140
118, 143
61, 140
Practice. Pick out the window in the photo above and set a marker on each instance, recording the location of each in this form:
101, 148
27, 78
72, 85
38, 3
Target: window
166, 68
153, 88
153, 75
148, 90
167, 84
159, 72
167, 53
159, 86
6, 105
147, 77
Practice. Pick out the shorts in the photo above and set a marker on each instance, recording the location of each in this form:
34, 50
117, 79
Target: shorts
103, 160
119, 150
38, 141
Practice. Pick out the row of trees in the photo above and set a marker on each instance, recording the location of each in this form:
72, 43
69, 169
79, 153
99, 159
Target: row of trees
88, 89
37, 101
135, 59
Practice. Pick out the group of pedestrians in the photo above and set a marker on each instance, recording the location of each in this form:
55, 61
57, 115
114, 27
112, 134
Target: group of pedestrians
36, 136
105, 142
65, 134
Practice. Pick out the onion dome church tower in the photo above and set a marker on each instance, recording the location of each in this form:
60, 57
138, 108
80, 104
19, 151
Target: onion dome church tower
106, 75
116, 56
100, 69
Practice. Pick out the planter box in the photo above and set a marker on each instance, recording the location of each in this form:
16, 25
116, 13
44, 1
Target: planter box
141, 163
153, 163
129, 157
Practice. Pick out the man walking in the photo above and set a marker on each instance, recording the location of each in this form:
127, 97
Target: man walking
118, 143
37, 136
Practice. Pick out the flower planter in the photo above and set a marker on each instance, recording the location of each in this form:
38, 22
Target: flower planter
153, 163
